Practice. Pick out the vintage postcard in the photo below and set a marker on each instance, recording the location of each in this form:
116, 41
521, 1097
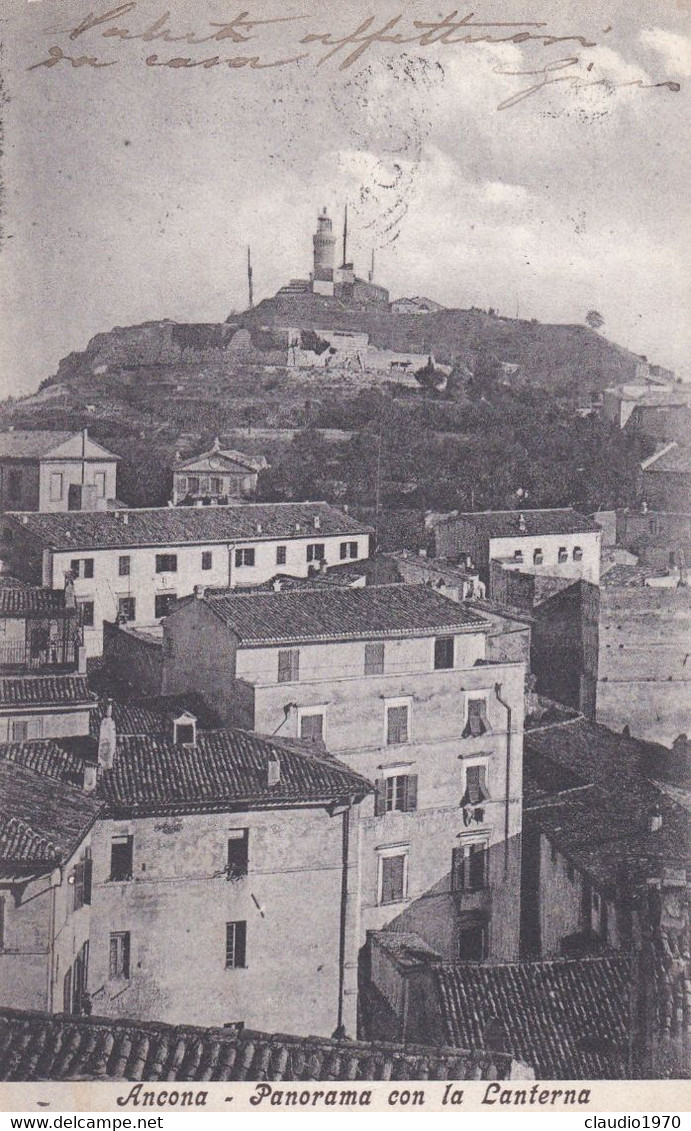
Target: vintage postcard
345, 535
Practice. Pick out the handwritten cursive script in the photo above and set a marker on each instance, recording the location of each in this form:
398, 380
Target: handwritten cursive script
444, 32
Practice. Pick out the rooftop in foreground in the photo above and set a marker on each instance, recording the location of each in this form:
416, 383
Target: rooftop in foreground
507, 524
41, 1046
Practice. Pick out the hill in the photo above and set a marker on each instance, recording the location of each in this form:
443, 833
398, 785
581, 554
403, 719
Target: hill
491, 438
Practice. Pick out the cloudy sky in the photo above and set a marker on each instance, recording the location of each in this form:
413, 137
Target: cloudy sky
132, 190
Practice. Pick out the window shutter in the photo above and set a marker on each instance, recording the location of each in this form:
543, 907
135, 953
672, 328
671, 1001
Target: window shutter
240, 943
482, 783
113, 956
126, 955
78, 889
88, 874
411, 793
397, 725
473, 794
380, 798
457, 869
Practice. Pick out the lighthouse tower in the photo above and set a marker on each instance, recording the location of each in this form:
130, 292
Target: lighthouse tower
324, 242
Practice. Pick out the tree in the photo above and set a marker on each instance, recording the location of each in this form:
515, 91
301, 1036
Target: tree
594, 320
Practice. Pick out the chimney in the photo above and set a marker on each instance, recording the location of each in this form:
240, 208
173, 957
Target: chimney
322, 565
107, 739
89, 777
521, 523
125, 518
277, 585
178, 457
644, 507
655, 820
200, 592
298, 527
345, 508
216, 445
81, 660
274, 769
317, 522
260, 528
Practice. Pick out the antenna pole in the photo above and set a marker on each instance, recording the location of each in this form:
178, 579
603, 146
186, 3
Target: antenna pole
345, 234
249, 278
371, 270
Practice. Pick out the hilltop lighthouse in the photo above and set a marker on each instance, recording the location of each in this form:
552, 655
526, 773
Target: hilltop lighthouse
324, 243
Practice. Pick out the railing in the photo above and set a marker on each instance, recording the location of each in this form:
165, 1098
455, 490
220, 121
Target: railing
17, 654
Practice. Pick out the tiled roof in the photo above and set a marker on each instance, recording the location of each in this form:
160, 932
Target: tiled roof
343, 613
17, 601
152, 716
24, 445
55, 813
41, 1046
19, 843
59, 758
605, 830
505, 524
177, 526
224, 768
569, 1019
44, 691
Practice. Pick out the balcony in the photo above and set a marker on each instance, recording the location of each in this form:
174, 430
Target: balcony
18, 656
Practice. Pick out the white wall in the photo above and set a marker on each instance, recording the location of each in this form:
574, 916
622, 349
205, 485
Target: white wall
588, 568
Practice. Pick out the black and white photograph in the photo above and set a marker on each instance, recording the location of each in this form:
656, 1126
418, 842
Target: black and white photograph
345, 552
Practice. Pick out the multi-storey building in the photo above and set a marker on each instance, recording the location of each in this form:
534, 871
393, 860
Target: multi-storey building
43, 687
219, 475
55, 471
46, 821
395, 680
558, 543
135, 564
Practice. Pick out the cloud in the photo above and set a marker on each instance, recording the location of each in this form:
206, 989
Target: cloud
675, 49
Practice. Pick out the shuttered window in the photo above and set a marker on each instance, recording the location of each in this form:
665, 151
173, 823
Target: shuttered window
120, 954
312, 727
443, 652
238, 853
478, 722
288, 665
475, 785
396, 725
374, 658
470, 867
397, 793
393, 878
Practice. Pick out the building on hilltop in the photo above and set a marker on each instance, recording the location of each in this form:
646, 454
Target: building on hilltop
218, 476
135, 564
396, 681
664, 481
330, 281
55, 471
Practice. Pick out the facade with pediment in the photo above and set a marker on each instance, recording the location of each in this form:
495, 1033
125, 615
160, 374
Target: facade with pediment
219, 476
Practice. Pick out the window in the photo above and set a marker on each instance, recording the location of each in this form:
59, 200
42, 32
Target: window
238, 853
207, 559
470, 866
55, 486
443, 652
312, 727
20, 730
127, 608
193, 482
518, 556
288, 665
538, 557
185, 734
120, 954
281, 555
475, 785
164, 603
166, 563
316, 552
396, 794
397, 724
124, 565
216, 485
78, 886
477, 722
100, 483
244, 558
121, 857
562, 554
577, 554
82, 567
472, 942
88, 876
348, 550
236, 944
86, 609
393, 875
374, 658
14, 484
